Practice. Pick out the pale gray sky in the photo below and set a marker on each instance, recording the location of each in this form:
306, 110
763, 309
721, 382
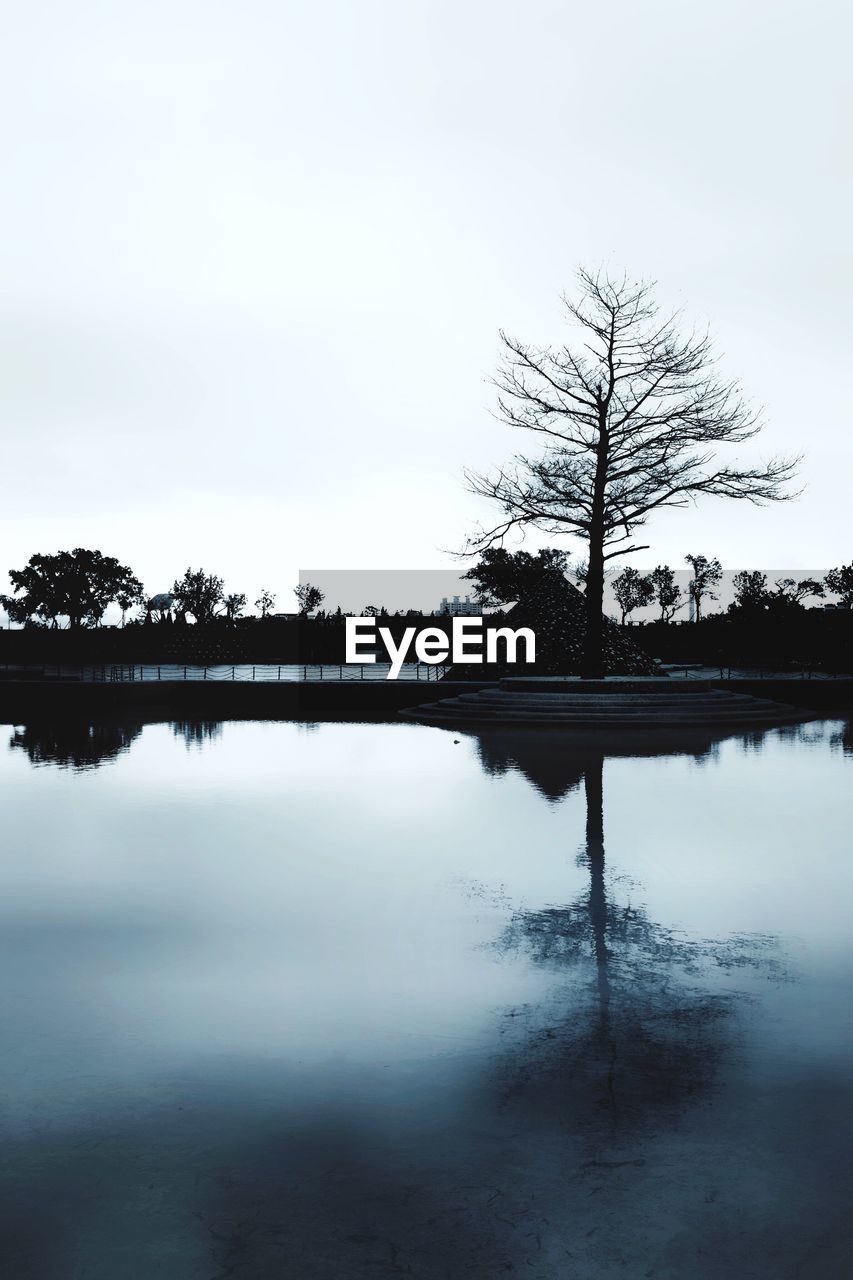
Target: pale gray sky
255, 257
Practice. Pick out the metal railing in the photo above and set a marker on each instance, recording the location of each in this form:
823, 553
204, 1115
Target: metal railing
122, 673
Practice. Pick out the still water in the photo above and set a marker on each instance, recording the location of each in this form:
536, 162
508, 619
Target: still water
323, 1002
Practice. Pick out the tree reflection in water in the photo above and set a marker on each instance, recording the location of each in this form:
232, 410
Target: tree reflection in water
88, 744
843, 738
197, 733
648, 1021
75, 744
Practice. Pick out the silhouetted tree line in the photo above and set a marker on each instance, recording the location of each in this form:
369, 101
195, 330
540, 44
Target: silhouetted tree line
61, 600
753, 594
767, 625
806, 639
74, 589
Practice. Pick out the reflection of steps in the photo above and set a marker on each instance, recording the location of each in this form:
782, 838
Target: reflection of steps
632, 703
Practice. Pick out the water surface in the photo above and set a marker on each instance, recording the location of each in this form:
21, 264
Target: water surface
338, 1001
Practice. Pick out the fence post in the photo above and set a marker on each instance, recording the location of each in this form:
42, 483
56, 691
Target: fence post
233, 669
253, 673
204, 677
279, 673
185, 673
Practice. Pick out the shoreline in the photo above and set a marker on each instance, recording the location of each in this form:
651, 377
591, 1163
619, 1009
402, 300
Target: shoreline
22, 700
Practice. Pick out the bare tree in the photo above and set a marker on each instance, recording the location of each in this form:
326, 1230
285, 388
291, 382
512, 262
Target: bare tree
630, 416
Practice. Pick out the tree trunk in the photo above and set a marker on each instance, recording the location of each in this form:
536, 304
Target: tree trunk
592, 664
593, 786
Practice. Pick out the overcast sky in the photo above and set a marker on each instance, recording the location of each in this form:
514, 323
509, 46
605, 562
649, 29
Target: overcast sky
255, 257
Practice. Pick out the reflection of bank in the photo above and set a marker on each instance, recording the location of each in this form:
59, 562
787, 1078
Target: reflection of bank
649, 1015
75, 744
87, 744
197, 733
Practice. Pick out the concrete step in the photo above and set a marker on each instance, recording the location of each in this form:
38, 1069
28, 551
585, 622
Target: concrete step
584, 724
495, 697
448, 713
691, 713
643, 703
616, 684
607, 705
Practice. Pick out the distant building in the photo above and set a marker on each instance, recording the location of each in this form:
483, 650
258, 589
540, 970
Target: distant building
467, 607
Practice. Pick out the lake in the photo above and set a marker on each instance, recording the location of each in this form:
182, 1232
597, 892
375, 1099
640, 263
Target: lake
335, 1001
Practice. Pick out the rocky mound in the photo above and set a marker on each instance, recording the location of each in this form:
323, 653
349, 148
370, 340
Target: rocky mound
556, 613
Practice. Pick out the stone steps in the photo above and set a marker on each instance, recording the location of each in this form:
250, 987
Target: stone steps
640, 714
649, 685
437, 714
499, 699
591, 704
